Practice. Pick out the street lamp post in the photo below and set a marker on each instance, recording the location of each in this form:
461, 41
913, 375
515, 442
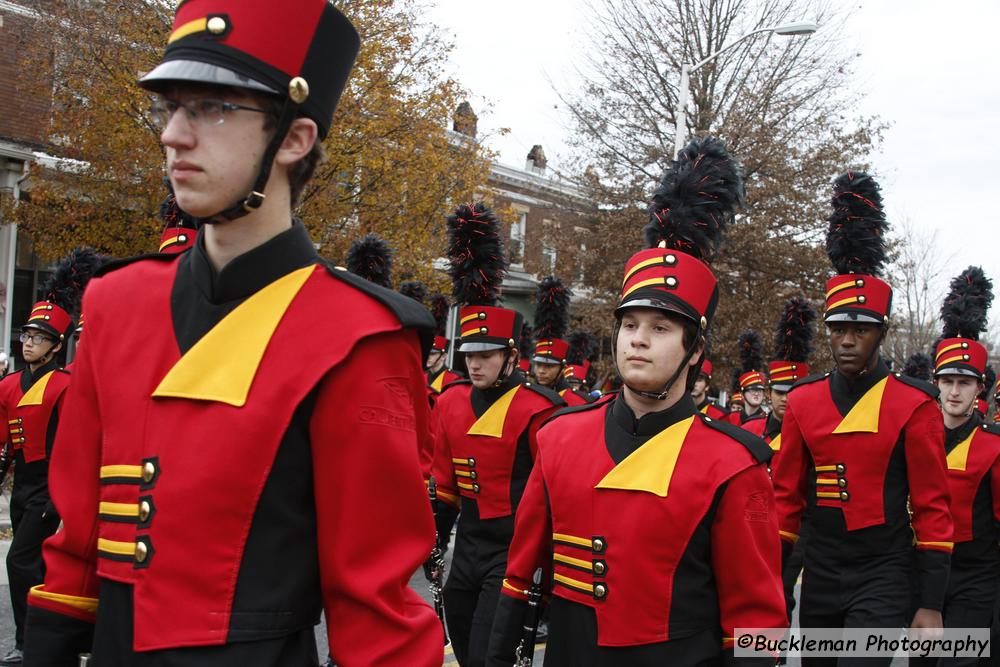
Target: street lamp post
680, 129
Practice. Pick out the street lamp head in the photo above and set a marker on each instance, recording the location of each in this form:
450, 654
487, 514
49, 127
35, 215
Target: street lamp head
796, 28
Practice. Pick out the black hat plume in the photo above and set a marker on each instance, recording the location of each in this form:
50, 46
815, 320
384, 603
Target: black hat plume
69, 279
695, 200
475, 255
414, 289
582, 346
751, 352
526, 344
963, 312
439, 309
794, 332
855, 240
371, 258
918, 366
551, 308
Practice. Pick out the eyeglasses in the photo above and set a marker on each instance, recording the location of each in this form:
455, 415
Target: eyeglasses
36, 339
204, 113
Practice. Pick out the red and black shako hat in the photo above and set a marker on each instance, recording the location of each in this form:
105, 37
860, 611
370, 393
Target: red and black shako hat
694, 202
963, 315
582, 351
855, 243
751, 361
301, 51
551, 321
792, 344
706, 369
63, 293
477, 268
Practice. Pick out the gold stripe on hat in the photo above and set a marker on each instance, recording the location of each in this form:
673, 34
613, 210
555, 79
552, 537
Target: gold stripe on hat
847, 285
189, 28
644, 283
843, 302
949, 348
652, 261
957, 357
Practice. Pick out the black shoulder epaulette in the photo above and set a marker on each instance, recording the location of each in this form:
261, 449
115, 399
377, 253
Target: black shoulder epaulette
991, 428
116, 264
759, 449
554, 397
577, 408
455, 383
809, 379
922, 385
409, 311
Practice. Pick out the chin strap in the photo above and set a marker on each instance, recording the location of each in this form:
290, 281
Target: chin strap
504, 373
656, 396
868, 367
254, 200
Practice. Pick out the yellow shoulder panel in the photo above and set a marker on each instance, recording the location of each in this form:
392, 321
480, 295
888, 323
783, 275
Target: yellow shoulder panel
650, 467
492, 421
863, 417
36, 394
959, 457
222, 365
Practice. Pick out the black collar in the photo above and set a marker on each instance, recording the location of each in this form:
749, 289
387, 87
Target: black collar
847, 391
254, 269
482, 399
28, 379
652, 423
772, 427
953, 436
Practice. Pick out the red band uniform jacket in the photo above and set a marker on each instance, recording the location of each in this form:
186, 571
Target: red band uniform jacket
236, 456
973, 455
712, 410
656, 535
855, 454
485, 445
30, 403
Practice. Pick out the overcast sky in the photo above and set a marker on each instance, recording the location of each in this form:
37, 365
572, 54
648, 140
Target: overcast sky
927, 68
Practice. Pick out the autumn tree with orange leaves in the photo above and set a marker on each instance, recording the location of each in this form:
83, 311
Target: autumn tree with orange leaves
392, 166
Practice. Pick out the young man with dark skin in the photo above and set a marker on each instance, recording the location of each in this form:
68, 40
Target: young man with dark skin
862, 447
652, 521
227, 485
485, 432
972, 448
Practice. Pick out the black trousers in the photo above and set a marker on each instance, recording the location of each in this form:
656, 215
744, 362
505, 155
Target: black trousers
875, 593
969, 602
25, 567
792, 569
471, 594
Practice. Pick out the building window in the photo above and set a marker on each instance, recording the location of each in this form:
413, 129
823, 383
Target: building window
517, 232
549, 230
581, 235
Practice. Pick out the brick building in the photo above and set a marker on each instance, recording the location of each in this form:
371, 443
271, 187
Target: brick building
25, 107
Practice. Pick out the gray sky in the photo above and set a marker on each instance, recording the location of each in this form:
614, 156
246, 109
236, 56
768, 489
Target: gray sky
924, 67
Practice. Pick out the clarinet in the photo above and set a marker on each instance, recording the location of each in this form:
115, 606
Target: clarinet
525, 654
437, 562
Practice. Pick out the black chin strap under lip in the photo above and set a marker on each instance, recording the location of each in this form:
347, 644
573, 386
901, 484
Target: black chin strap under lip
254, 200
673, 378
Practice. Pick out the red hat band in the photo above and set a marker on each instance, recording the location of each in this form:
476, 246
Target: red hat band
960, 356
176, 239
488, 328
301, 49
752, 379
857, 298
575, 372
523, 365
670, 280
786, 373
440, 344
552, 350
49, 318
706, 368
